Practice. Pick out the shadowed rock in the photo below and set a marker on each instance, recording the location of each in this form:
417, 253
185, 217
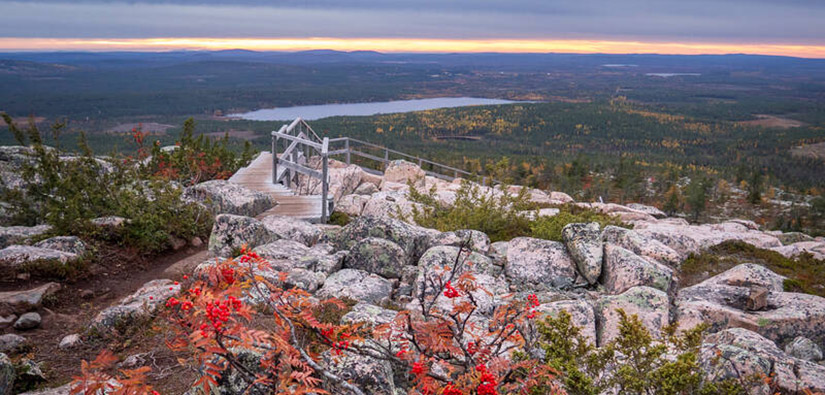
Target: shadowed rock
584, 243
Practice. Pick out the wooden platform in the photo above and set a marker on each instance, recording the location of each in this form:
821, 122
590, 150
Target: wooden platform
258, 176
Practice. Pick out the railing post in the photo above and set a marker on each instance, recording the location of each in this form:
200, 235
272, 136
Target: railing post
346, 146
274, 160
386, 158
324, 179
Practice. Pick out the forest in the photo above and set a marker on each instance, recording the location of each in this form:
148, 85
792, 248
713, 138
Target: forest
613, 127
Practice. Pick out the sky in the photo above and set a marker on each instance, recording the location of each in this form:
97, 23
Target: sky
774, 27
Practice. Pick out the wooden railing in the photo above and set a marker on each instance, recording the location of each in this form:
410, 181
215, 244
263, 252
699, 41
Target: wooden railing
299, 141
348, 146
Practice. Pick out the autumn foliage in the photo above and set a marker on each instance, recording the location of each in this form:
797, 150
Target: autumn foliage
238, 306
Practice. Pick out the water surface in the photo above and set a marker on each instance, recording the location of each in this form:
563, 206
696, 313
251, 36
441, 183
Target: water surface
359, 109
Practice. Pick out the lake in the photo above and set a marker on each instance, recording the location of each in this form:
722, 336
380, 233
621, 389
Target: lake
314, 112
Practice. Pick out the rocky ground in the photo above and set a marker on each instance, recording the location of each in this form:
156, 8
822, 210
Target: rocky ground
378, 261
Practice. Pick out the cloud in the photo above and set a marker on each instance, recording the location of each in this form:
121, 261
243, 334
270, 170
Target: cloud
789, 21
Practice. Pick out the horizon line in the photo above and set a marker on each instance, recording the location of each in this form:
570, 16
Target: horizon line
409, 45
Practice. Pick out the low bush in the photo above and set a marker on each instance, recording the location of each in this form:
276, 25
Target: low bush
549, 228
68, 190
633, 363
502, 215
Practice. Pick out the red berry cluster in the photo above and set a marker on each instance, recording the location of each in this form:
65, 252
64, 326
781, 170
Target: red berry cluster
488, 382
532, 302
400, 354
450, 390
472, 348
218, 313
417, 368
449, 291
338, 346
228, 274
250, 256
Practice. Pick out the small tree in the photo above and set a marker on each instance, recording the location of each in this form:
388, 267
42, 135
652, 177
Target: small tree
697, 196
755, 187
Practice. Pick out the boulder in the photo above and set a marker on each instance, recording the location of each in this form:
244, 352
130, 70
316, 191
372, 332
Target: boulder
11, 342
19, 302
804, 348
357, 285
404, 172
723, 302
560, 197
650, 210
70, 341
414, 240
10, 235
642, 245
441, 256
224, 197
624, 270
286, 255
694, 238
584, 243
792, 237
136, 307
536, 264
110, 223
292, 229
478, 241
70, 244
27, 321
815, 248
231, 232
581, 313
17, 255
738, 352
371, 375
7, 320
352, 205
369, 314
498, 252
389, 204
649, 304
7, 375
378, 256
432, 268
366, 188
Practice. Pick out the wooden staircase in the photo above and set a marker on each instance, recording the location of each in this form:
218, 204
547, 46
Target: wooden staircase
258, 177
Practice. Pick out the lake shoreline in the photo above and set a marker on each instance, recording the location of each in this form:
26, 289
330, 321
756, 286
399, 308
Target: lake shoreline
320, 111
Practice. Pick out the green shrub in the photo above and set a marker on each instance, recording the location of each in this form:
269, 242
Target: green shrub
633, 363
339, 218
68, 193
501, 216
549, 228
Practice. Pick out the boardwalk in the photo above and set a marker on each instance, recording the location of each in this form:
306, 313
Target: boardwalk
258, 176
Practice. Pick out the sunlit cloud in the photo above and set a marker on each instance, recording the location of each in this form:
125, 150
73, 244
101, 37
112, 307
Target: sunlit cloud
408, 45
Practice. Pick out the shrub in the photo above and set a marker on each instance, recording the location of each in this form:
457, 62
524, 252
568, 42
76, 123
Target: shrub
501, 215
549, 228
498, 215
633, 363
339, 218
67, 191
194, 159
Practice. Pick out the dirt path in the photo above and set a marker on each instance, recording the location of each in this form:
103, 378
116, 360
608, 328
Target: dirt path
75, 305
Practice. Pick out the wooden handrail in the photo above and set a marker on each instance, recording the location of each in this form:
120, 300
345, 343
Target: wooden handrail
300, 134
